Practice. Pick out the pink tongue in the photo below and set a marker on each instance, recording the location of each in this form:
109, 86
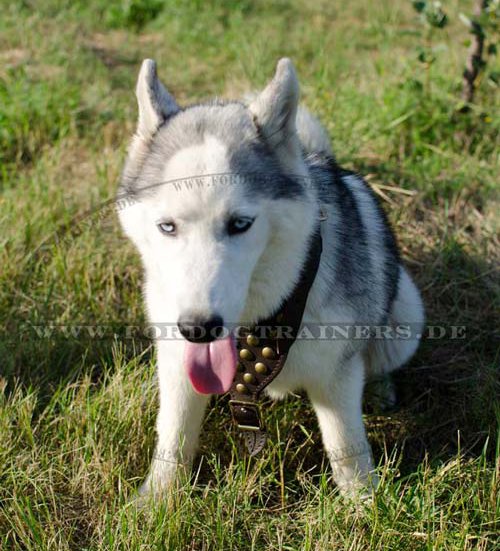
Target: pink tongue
211, 366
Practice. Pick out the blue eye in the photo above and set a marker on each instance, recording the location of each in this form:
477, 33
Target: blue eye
239, 225
168, 228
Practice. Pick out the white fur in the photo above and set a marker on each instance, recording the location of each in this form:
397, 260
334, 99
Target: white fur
246, 277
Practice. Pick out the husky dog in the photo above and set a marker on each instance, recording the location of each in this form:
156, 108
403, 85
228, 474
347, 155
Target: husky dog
216, 254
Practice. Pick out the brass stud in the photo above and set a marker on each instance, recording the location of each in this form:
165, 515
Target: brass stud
252, 340
268, 352
260, 368
248, 378
245, 354
242, 389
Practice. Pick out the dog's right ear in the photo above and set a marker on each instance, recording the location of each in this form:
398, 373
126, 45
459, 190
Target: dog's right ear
155, 103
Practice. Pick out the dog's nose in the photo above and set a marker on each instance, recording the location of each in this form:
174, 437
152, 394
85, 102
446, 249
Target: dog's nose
196, 328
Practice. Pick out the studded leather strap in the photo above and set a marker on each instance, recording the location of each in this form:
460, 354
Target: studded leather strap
263, 350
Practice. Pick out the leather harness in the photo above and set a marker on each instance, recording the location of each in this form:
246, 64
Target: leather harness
263, 349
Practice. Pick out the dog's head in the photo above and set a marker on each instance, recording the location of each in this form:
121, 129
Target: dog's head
218, 204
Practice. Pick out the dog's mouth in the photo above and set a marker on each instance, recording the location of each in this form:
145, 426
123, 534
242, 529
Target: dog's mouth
211, 366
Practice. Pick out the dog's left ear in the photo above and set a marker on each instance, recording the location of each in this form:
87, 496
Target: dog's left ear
275, 108
155, 103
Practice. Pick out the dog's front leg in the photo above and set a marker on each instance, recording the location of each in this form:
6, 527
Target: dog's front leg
338, 406
177, 426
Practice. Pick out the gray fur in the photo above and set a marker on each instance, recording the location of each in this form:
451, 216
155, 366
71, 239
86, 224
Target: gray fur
233, 125
367, 290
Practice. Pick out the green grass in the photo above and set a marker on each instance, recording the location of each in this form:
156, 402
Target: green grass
77, 414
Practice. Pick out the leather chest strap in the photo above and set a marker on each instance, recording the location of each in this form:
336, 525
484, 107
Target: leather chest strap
263, 349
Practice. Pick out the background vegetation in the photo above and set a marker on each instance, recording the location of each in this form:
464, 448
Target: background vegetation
77, 414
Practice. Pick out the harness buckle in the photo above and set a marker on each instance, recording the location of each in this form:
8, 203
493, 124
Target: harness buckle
246, 415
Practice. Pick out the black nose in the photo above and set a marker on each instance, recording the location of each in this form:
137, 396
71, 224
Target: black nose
196, 328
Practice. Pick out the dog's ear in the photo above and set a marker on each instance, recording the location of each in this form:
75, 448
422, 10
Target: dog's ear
155, 103
275, 108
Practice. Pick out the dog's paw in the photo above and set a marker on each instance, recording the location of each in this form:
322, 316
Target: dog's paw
359, 490
355, 476
139, 501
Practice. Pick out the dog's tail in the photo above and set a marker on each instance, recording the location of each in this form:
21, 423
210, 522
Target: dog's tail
312, 134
